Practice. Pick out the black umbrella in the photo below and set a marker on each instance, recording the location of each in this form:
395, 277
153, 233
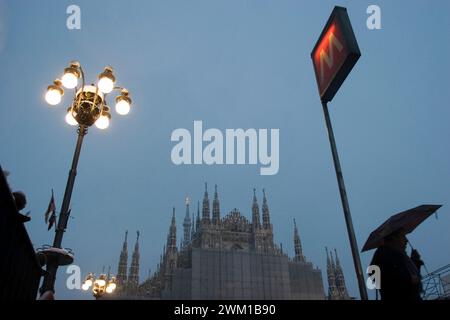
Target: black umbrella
407, 220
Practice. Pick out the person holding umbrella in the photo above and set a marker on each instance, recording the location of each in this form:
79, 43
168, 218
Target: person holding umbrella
400, 277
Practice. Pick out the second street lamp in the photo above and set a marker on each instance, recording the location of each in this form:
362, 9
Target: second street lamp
88, 107
104, 284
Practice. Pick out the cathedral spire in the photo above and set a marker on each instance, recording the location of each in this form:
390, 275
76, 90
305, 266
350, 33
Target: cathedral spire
333, 265
133, 280
298, 245
338, 263
192, 227
123, 263
205, 210
340, 280
187, 224
265, 212
172, 236
170, 257
332, 290
255, 212
216, 207
197, 224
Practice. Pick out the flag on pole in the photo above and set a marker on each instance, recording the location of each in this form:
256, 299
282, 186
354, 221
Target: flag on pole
52, 220
51, 211
51, 207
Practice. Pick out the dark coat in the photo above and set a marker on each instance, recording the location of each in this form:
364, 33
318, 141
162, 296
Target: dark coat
400, 277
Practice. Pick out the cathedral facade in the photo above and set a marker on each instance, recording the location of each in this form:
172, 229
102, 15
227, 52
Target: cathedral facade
222, 258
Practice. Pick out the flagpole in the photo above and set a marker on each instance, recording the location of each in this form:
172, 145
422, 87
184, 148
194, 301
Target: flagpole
52, 264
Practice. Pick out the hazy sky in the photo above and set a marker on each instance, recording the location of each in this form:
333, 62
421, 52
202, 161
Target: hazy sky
231, 64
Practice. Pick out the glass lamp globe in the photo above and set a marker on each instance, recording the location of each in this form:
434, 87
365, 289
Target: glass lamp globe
100, 282
71, 121
102, 123
88, 282
106, 80
122, 107
69, 80
105, 85
53, 96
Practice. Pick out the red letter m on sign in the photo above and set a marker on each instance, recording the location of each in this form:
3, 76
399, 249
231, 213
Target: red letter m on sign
329, 58
334, 54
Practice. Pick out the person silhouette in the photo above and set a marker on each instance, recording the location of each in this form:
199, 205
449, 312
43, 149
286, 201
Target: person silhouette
400, 277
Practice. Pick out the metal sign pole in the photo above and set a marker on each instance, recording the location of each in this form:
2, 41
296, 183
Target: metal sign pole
345, 206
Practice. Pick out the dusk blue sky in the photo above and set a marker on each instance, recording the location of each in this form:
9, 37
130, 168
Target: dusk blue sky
232, 64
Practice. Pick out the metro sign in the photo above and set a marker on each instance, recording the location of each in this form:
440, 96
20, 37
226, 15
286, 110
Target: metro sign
335, 54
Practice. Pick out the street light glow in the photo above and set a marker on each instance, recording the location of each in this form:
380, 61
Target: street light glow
105, 85
123, 102
100, 282
88, 282
71, 74
113, 286
70, 119
106, 80
53, 97
104, 284
54, 93
122, 107
69, 80
102, 122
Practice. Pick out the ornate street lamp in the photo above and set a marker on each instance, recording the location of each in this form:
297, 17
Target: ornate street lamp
105, 284
88, 107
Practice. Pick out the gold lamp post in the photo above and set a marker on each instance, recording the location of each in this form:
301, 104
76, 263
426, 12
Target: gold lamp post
104, 284
88, 107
